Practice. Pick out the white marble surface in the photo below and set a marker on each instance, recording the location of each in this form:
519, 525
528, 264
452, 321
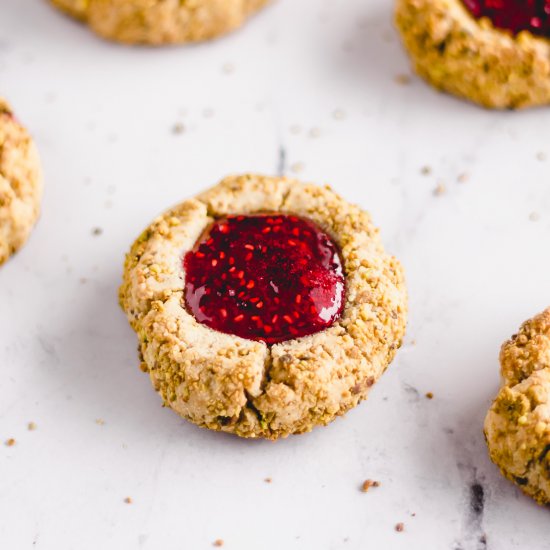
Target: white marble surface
476, 258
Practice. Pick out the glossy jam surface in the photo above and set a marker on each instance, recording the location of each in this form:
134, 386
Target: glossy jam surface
514, 15
265, 277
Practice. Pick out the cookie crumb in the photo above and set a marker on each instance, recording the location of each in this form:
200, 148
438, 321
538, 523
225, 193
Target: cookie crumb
338, 114
314, 133
100, 421
403, 79
297, 167
429, 395
178, 128
439, 190
10, 442
268, 480
368, 483
534, 217
228, 68
97, 231
541, 156
31, 426
128, 500
426, 170
400, 527
463, 178
218, 542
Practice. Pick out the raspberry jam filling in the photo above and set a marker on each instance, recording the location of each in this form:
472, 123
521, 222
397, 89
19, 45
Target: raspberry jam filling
514, 15
265, 277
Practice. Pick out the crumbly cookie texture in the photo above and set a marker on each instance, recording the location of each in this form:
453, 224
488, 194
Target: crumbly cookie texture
248, 388
470, 58
20, 184
161, 21
517, 427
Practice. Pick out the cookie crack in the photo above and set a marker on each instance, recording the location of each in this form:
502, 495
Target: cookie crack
250, 399
268, 364
250, 405
285, 198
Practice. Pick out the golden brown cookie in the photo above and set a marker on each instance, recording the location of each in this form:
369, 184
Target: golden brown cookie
470, 58
517, 427
20, 183
159, 22
268, 384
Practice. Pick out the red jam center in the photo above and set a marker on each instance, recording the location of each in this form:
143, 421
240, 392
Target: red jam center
514, 15
266, 277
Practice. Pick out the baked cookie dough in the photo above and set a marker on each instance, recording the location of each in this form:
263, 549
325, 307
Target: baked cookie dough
161, 21
517, 427
249, 387
471, 58
20, 183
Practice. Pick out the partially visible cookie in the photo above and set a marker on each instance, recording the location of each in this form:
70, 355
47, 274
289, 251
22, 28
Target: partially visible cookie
264, 306
20, 183
472, 57
161, 21
517, 427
